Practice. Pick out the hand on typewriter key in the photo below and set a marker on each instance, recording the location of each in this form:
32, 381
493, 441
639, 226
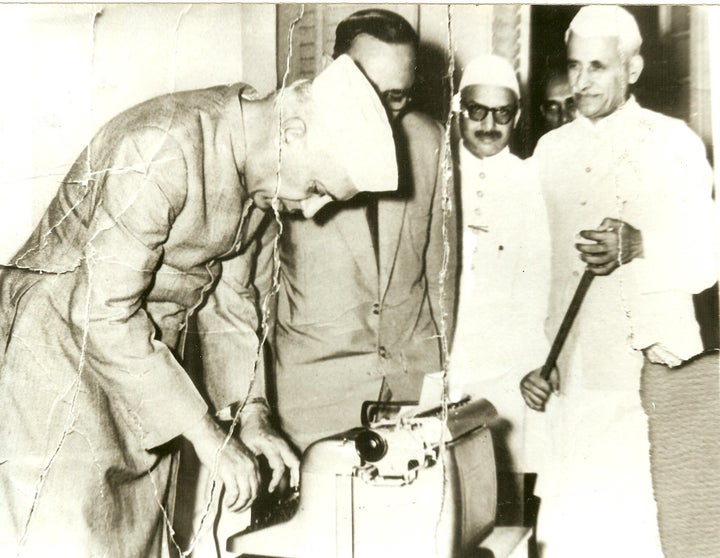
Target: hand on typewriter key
234, 465
258, 434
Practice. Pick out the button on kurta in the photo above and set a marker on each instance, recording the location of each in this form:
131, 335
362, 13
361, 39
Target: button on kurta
382, 351
376, 308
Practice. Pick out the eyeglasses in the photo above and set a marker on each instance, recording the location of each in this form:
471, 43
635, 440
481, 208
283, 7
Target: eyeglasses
478, 113
555, 108
396, 99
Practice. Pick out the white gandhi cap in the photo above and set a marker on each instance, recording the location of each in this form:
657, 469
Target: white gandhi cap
607, 21
490, 69
353, 122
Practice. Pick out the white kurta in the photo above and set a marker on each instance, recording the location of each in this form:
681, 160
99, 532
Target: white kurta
649, 171
504, 289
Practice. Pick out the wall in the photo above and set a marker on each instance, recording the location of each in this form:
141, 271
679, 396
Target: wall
72, 67
471, 28
314, 36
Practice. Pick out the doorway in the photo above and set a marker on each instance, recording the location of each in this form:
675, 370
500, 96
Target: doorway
659, 86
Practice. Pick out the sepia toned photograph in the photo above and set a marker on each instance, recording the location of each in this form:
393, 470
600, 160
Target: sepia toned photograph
338, 280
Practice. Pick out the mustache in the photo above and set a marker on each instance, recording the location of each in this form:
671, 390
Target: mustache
489, 135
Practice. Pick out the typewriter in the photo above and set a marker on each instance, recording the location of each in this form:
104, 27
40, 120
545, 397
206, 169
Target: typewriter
406, 483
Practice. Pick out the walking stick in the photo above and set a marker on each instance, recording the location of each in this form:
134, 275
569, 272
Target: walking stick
566, 324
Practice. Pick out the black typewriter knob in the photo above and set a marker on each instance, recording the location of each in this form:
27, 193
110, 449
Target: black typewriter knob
370, 446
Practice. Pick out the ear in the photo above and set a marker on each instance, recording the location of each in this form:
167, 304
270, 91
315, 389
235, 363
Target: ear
325, 61
293, 129
635, 68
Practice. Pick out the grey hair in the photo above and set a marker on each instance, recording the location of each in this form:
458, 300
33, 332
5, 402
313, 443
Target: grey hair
295, 99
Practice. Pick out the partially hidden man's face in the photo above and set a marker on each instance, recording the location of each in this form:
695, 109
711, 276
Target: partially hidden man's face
598, 75
309, 178
558, 106
487, 137
389, 66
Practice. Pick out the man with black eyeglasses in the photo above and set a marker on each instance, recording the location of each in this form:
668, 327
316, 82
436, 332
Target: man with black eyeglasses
505, 259
558, 105
359, 306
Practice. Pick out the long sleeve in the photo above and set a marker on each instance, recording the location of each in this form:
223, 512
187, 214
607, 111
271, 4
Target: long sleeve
680, 234
229, 326
679, 241
647, 170
265, 267
132, 221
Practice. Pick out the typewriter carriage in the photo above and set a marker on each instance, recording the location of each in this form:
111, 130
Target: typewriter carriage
405, 483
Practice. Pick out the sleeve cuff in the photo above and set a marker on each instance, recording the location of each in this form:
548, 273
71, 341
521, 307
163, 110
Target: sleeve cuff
167, 415
254, 404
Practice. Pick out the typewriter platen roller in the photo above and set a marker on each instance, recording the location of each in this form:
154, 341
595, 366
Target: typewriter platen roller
405, 484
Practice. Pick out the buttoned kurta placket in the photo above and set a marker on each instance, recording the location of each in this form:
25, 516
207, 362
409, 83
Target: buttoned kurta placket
503, 292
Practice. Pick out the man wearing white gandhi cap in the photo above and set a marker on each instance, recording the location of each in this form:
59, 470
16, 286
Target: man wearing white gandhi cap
505, 257
628, 193
158, 219
315, 135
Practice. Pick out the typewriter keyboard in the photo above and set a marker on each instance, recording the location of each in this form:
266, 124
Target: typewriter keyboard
271, 511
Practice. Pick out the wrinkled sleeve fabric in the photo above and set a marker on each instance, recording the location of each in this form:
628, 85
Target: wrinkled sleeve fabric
680, 233
266, 267
228, 327
143, 190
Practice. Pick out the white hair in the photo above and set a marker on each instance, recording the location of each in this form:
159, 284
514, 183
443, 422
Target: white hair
607, 21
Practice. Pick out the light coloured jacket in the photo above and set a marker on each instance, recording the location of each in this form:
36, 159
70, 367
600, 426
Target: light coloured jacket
144, 230
346, 322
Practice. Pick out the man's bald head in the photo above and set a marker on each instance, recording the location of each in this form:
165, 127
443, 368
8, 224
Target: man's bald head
384, 45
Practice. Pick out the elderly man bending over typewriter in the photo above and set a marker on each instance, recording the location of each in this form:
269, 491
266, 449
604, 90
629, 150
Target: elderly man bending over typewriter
158, 217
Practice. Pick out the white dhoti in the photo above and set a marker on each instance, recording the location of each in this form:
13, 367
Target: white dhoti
595, 483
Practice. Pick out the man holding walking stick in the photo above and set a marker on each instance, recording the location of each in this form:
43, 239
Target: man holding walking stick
628, 197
